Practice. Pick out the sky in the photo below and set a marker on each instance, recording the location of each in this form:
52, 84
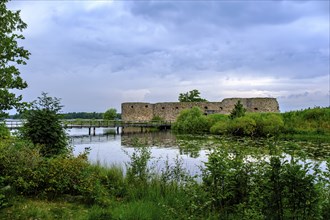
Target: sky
95, 55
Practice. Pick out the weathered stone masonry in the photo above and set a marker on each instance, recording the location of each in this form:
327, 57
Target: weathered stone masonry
139, 111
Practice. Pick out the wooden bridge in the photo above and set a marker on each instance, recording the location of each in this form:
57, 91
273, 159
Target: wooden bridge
93, 124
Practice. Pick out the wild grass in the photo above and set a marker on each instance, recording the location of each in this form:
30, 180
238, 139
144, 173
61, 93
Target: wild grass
230, 186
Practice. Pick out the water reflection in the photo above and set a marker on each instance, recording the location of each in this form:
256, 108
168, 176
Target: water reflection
192, 150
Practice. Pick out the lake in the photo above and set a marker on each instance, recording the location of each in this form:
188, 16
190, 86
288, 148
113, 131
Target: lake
192, 150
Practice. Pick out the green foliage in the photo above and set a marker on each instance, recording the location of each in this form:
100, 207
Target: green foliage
225, 180
29, 173
157, 118
137, 167
232, 186
309, 124
110, 114
214, 118
43, 126
268, 124
278, 189
238, 111
4, 131
191, 96
307, 121
11, 56
3, 198
191, 121
82, 115
256, 124
220, 127
242, 126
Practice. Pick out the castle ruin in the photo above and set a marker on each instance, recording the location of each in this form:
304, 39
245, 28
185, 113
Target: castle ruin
140, 111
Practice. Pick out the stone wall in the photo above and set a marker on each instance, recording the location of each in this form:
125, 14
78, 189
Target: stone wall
137, 111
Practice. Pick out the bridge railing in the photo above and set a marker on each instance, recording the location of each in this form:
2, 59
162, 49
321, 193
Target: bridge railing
70, 123
112, 123
90, 123
13, 124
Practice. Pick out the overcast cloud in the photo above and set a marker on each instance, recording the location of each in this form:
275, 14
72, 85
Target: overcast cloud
97, 54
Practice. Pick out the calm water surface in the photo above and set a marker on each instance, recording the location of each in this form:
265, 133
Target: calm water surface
114, 149
110, 150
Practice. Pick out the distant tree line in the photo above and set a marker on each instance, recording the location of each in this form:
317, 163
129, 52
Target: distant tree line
75, 115
82, 115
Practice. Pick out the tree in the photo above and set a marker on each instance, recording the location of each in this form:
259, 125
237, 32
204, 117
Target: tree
110, 114
238, 111
191, 96
43, 126
11, 55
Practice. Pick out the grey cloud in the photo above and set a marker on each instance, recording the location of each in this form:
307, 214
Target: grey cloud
230, 14
154, 50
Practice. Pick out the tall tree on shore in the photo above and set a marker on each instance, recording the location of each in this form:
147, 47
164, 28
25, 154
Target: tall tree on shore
110, 114
191, 96
11, 55
43, 126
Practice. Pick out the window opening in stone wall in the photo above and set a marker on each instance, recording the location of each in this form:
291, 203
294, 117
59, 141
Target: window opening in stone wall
176, 107
221, 108
163, 107
205, 107
132, 106
256, 109
146, 106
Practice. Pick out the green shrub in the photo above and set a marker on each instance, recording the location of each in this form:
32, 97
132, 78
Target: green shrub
214, 118
191, 121
243, 126
3, 198
220, 127
43, 126
226, 179
4, 131
267, 124
137, 168
308, 121
316, 114
29, 173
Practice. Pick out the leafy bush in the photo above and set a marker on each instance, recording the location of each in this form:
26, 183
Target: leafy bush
3, 199
29, 173
191, 121
316, 114
226, 180
214, 118
307, 121
220, 127
43, 126
4, 131
243, 126
267, 124
137, 168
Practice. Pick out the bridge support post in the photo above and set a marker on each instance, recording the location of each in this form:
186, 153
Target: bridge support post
94, 133
89, 131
